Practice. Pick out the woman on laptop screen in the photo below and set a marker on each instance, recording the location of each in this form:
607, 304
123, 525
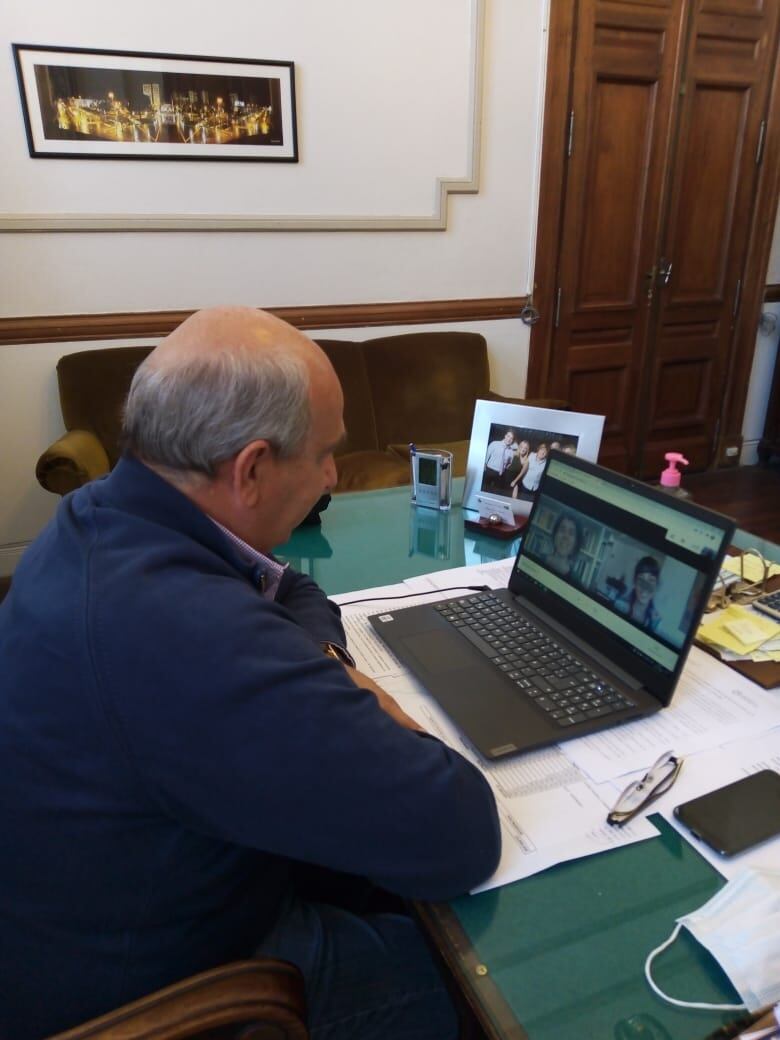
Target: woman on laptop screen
567, 541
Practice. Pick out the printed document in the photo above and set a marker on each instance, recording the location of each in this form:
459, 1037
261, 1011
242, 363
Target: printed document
553, 803
712, 704
550, 811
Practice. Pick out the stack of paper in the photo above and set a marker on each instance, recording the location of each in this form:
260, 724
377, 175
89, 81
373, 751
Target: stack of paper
739, 633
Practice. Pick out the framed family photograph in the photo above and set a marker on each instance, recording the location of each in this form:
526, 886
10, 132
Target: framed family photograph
510, 445
98, 104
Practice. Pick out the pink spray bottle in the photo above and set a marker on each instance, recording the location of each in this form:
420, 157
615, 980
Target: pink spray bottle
670, 477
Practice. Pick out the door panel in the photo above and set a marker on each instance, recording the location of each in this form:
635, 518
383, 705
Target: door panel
712, 190
626, 56
709, 174
617, 152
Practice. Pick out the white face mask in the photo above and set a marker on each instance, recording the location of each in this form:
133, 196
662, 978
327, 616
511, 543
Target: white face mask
740, 926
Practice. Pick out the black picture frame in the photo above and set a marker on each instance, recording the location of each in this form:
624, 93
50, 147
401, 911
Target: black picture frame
84, 103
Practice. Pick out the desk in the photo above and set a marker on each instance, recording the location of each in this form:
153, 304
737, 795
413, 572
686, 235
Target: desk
372, 538
563, 950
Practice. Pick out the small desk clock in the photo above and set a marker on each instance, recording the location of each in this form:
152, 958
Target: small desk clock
431, 478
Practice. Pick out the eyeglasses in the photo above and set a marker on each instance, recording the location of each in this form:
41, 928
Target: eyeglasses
639, 794
738, 588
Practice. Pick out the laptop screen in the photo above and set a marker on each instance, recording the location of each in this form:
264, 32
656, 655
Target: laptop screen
627, 568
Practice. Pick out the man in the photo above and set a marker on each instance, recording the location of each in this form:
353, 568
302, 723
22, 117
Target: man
498, 459
178, 737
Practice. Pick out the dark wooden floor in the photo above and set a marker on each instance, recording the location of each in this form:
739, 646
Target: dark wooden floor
749, 494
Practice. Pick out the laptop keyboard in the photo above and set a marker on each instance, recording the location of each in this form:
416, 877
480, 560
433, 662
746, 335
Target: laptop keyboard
562, 686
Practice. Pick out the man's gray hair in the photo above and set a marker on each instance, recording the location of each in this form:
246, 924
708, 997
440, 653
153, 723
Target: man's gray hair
189, 417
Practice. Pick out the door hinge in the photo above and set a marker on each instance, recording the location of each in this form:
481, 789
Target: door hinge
570, 139
557, 308
737, 296
682, 89
760, 145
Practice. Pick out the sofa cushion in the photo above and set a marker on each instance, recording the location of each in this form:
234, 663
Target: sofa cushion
347, 358
368, 470
424, 385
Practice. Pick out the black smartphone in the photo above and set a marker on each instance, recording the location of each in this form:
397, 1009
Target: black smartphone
737, 816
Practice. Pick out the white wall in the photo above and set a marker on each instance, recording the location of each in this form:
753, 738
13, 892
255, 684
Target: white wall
384, 112
761, 374
764, 360
773, 272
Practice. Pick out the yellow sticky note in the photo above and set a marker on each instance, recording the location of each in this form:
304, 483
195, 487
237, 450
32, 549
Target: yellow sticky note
746, 630
726, 630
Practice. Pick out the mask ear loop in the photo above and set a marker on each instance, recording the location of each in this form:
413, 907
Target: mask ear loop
672, 1000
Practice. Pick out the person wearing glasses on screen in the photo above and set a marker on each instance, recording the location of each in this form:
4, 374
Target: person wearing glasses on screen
637, 603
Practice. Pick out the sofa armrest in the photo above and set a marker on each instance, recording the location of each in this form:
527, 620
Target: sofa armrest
72, 461
532, 402
260, 999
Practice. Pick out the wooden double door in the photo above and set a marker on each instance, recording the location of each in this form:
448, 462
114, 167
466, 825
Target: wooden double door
666, 106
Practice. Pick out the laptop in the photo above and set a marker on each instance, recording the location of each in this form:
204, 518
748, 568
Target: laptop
604, 599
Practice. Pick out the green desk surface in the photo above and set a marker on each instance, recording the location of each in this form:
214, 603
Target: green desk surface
564, 950
374, 538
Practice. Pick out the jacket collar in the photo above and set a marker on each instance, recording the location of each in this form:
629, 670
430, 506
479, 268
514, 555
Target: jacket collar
136, 489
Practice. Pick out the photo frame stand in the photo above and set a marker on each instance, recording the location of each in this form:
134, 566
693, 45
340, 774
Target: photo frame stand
505, 532
496, 519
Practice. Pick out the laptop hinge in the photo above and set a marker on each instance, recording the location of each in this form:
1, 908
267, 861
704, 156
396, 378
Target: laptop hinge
584, 647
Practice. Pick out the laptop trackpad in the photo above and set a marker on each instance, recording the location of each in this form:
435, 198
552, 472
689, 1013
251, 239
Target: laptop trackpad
440, 651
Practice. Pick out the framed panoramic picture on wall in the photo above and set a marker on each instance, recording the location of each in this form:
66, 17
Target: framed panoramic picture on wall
98, 104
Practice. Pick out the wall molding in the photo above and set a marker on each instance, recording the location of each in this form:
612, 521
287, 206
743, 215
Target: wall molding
76, 328
437, 221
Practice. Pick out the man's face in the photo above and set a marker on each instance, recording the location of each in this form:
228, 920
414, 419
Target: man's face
509, 438
295, 483
541, 452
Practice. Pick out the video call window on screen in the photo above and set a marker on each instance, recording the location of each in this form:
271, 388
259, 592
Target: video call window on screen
651, 589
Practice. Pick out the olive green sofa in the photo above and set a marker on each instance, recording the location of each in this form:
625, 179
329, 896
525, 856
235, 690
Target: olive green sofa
417, 387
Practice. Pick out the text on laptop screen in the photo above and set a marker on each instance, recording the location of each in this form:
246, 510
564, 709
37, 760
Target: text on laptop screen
633, 565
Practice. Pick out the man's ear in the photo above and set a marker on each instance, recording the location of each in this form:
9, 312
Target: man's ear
251, 469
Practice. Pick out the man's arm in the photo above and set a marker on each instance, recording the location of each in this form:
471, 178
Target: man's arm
386, 702
280, 750
311, 608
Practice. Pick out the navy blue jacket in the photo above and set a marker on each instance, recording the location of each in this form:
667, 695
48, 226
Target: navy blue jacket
170, 741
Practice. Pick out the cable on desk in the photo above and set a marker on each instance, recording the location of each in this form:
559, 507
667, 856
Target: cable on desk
409, 595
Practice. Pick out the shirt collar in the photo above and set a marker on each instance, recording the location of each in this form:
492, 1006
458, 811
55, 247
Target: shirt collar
271, 570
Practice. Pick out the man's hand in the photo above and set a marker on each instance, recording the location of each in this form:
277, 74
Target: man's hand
386, 702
